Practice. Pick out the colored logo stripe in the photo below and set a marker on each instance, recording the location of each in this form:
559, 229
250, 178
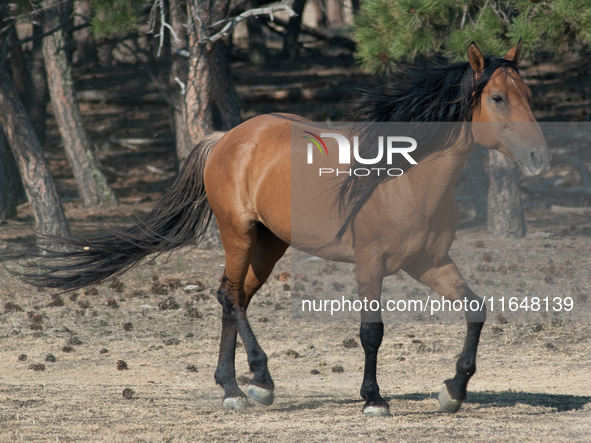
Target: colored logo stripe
319, 139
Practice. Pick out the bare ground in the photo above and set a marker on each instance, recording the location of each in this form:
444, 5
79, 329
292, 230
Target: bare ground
532, 384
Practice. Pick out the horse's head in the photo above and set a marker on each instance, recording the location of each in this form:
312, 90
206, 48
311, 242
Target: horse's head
503, 119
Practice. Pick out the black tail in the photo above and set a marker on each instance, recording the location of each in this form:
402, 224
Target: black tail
179, 217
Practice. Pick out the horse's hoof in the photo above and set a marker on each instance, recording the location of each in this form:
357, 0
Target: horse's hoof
261, 395
235, 403
447, 403
376, 411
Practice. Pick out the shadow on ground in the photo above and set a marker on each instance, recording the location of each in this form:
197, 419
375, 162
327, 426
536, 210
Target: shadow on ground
501, 399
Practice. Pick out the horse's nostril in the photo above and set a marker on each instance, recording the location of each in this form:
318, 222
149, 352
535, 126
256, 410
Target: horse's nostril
534, 157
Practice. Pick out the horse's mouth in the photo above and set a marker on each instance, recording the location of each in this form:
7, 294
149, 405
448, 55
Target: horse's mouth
533, 170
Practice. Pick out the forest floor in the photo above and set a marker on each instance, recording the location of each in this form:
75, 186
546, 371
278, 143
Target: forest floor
533, 381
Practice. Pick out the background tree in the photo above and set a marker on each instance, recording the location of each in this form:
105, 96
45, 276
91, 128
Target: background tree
92, 184
505, 211
178, 76
39, 184
25, 153
85, 51
211, 101
400, 30
291, 48
257, 50
8, 185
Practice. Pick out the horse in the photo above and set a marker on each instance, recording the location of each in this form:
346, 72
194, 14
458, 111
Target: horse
244, 178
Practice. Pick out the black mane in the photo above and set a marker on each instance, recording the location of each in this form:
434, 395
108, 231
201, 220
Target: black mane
433, 94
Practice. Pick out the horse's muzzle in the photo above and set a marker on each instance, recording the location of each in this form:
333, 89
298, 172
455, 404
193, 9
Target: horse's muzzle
537, 163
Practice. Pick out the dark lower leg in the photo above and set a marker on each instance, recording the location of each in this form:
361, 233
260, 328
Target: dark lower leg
225, 374
371, 335
257, 359
466, 364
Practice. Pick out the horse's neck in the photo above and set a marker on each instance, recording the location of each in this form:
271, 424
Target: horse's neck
434, 177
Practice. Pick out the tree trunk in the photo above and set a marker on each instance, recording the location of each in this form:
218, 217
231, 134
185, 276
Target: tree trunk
257, 50
226, 103
335, 8
321, 14
291, 48
85, 51
39, 184
505, 212
179, 71
92, 184
39, 94
8, 181
479, 182
20, 76
198, 95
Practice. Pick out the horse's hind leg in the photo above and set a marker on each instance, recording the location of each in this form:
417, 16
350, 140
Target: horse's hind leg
447, 281
235, 299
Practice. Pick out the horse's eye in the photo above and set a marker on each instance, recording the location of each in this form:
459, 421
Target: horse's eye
497, 99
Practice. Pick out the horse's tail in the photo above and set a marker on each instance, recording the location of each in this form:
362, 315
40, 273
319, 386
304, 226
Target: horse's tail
179, 217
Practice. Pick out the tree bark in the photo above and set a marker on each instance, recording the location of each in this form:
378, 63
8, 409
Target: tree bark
8, 181
257, 50
479, 182
321, 13
198, 94
85, 51
39, 94
92, 184
291, 48
20, 76
39, 184
226, 103
505, 211
179, 70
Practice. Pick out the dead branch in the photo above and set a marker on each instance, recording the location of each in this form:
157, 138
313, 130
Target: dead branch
233, 21
158, 4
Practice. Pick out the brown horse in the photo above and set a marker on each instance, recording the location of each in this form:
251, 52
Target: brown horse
245, 178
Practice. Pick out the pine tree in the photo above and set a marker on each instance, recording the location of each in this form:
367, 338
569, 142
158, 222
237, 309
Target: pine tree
92, 184
400, 30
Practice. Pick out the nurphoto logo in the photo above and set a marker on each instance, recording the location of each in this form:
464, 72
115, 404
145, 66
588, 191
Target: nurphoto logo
394, 145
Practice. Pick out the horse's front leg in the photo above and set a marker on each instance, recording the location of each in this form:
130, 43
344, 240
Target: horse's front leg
447, 281
369, 284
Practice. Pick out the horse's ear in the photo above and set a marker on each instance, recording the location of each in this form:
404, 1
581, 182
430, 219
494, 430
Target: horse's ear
475, 57
514, 53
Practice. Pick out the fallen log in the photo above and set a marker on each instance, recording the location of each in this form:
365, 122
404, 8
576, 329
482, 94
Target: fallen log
294, 93
94, 95
578, 165
579, 191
